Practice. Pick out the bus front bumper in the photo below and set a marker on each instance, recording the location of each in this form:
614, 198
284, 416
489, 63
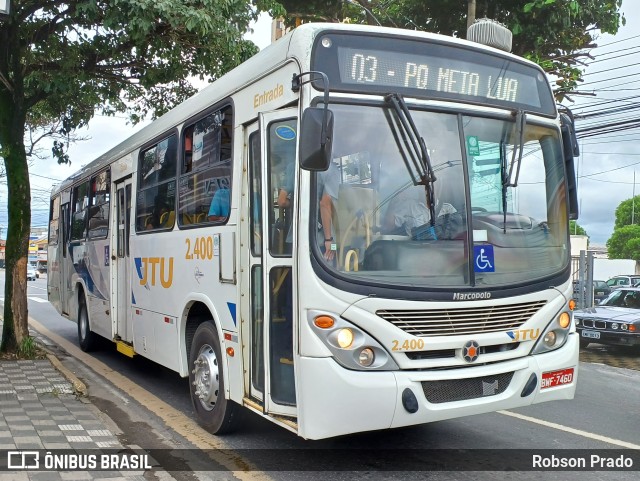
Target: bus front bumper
333, 400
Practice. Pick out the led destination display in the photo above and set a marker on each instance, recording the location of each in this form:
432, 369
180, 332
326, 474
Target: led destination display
433, 70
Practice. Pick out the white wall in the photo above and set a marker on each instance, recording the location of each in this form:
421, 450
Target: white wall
604, 269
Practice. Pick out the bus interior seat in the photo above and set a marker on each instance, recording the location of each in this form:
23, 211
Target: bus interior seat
167, 219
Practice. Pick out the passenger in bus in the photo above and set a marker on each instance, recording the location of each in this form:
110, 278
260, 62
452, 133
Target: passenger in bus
154, 220
220, 204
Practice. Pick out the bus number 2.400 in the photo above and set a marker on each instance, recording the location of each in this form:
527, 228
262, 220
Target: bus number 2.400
408, 345
199, 248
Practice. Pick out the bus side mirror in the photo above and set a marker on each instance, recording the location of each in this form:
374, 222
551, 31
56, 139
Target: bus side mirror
316, 138
570, 150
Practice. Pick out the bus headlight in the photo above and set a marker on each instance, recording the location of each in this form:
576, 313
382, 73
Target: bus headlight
350, 346
366, 357
550, 339
345, 338
555, 334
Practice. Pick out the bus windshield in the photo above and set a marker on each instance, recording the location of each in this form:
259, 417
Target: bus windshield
511, 189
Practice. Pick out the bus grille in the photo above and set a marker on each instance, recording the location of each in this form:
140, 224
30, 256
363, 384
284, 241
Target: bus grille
467, 321
438, 392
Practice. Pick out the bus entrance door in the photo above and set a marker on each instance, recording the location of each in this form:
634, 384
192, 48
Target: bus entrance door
271, 161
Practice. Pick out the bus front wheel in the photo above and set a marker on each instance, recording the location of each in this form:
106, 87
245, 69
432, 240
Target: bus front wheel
86, 338
206, 381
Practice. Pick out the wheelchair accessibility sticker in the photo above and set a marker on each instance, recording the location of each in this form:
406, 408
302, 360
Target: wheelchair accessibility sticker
483, 258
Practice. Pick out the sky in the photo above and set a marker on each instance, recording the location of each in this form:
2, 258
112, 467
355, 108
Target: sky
609, 161
605, 168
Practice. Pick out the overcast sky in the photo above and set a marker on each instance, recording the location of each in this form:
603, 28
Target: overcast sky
608, 162
606, 166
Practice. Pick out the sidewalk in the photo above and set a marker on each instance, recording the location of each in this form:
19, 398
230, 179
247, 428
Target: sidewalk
41, 409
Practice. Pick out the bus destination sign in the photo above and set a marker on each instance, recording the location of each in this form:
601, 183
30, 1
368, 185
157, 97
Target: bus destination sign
433, 70
430, 73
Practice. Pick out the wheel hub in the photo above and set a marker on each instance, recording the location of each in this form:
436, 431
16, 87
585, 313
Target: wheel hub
206, 377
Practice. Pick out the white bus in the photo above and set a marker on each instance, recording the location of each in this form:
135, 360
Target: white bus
358, 228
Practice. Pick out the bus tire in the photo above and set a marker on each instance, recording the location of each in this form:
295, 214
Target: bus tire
207, 384
86, 338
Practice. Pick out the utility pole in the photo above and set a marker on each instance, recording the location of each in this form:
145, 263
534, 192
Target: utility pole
633, 199
471, 12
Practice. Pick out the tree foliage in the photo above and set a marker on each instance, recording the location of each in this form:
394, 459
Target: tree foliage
628, 212
624, 243
553, 33
61, 61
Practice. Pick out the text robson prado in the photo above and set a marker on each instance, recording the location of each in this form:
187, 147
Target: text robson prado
593, 461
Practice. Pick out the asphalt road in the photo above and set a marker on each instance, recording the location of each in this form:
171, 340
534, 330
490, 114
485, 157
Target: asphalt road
604, 415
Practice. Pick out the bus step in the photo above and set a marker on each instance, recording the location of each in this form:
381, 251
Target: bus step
126, 349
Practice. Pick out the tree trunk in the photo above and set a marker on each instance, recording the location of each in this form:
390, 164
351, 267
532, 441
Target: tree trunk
12, 125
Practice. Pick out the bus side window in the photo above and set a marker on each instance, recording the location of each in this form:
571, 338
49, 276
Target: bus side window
99, 205
157, 186
206, 172
79, 215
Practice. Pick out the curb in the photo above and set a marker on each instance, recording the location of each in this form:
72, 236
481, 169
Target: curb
78, 385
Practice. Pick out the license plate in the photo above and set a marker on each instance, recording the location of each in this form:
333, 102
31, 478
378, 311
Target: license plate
557, 378
599, 293
591, 334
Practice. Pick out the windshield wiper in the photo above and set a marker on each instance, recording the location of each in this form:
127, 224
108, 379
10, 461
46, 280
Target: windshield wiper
508, 179
425, 175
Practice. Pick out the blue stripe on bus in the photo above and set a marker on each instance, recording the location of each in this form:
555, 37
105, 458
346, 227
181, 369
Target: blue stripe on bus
232, 310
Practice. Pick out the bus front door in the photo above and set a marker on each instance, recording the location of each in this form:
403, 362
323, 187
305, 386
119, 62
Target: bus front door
271, 154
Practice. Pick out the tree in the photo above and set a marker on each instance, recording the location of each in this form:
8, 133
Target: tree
624, 243
628, 212
62, 60
552, 33
576, 229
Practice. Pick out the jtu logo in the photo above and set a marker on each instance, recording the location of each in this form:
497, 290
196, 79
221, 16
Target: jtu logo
153, 269
524, 334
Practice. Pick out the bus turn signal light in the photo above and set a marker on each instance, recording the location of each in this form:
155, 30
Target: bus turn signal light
564, 320
572, 304
324, 322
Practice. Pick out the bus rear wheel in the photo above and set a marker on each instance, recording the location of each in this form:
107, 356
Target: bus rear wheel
207, 384
86, 338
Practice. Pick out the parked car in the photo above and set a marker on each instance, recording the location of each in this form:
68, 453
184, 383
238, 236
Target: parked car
600, 291
31, 272
615, 321
623, 281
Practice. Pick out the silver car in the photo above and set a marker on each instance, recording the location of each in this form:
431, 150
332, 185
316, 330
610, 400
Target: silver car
616, 320
623, 281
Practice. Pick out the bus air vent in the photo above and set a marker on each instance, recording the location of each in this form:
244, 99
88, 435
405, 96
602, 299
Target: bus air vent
491, 33
462, 321
451, 390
